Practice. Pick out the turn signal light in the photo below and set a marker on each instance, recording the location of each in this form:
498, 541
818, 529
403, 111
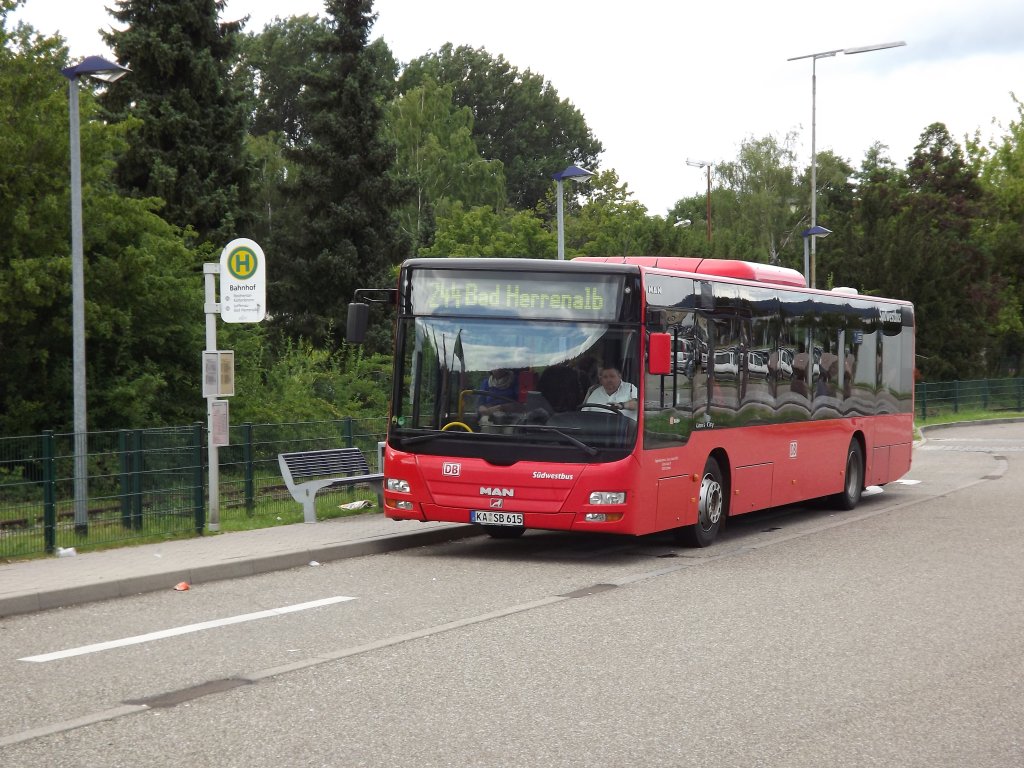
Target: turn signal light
602, 517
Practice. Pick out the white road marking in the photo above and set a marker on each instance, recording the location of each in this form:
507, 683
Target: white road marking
188, 628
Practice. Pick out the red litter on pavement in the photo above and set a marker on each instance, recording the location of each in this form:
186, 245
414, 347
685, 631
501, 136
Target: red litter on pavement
182, 586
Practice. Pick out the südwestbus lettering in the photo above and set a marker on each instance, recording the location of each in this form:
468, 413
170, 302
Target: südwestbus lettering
513, 296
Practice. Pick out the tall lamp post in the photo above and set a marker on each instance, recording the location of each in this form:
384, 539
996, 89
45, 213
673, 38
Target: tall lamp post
107, 71
704, 164
814, 158
572, 172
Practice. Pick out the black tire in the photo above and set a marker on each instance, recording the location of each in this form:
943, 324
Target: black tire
853, 478
504, 531
712, 509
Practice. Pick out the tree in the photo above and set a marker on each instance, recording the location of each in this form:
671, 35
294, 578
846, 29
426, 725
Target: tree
611, 223
835, 203
518, 117
188, 149
141, 363
272, 69
919, 243
340, 233
881, 189
767, 208
436, 151
481, 231
1002, 177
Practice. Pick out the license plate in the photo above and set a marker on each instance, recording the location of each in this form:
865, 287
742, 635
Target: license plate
487, 517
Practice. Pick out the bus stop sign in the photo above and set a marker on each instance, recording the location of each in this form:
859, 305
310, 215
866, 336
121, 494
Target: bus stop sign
243, 282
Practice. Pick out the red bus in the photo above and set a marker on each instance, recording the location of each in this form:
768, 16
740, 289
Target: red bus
746, 390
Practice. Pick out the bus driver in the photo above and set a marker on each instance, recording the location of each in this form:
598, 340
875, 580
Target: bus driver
614, 392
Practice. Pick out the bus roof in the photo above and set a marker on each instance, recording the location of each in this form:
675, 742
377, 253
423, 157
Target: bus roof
734, 268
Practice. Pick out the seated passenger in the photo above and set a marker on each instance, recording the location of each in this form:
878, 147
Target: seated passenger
501, 388
612, 391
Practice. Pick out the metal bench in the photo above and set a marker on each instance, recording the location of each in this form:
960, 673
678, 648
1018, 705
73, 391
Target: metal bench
307, 472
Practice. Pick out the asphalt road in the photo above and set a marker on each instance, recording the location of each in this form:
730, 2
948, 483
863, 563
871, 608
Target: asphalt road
892, 635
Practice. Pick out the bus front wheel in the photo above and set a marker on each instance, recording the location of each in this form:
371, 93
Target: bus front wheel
711, 508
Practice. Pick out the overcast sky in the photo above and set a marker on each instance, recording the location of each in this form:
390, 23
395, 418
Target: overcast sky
660, 81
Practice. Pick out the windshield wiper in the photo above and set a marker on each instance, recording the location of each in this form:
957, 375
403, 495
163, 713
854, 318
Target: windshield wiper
589, 449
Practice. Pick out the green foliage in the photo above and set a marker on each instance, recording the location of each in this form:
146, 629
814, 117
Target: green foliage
141, 355
1002, 174
272, 68
518, 117
611, 223
299, 382
436, 150
188, 148
338, 231
482, 232
767, 206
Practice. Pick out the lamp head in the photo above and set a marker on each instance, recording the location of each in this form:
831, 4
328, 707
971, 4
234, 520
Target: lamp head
817, 231
95, 66
572, 172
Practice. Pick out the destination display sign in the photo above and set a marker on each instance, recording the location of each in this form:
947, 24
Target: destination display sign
547, 296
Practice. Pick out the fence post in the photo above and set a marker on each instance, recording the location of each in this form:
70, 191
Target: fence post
348, 431
124, 463
250, 490
198, 497
49, 493
956, 396
922, 396
137, 459
1020, 394
985, 393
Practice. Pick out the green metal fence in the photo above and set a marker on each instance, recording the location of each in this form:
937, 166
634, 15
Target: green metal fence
152, 482
941, 398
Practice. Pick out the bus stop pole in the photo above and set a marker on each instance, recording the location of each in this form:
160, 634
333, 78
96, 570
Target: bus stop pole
212, 309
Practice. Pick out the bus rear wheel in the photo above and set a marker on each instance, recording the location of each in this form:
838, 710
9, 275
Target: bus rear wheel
711, 509
853, 479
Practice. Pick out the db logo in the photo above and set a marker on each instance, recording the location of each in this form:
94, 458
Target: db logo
451, 469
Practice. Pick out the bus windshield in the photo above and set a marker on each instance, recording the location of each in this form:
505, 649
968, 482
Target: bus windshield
513, 382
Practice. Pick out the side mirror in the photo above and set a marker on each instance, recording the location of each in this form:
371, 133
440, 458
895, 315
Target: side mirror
358, 320
659, 354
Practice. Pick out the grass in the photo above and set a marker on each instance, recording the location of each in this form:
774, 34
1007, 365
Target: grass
28, 543
950, 417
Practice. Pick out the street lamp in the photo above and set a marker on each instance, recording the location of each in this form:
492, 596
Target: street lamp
814, 158
108, 72
811, 234
704, 164
572, 172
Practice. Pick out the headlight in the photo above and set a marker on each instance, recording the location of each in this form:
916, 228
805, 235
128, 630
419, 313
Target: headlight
608, 497
397, 486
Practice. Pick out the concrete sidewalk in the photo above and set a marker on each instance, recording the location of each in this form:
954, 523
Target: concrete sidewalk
36, 585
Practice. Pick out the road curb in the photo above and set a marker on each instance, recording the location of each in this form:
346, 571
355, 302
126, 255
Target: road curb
154, 581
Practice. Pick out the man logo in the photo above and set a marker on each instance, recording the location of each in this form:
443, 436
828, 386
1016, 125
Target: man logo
485, 491
496, 503
451, 469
